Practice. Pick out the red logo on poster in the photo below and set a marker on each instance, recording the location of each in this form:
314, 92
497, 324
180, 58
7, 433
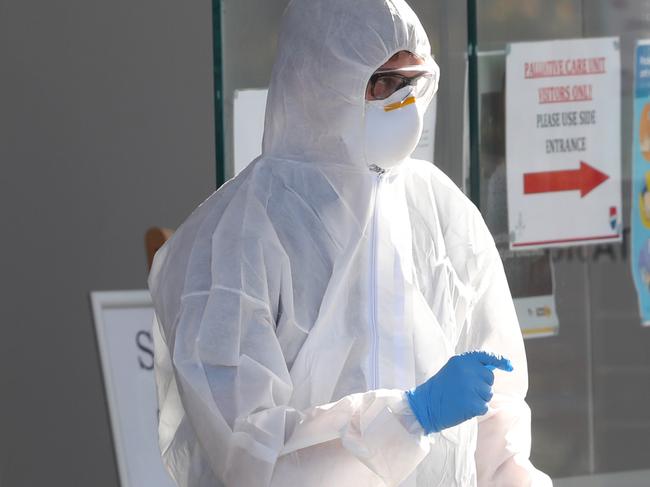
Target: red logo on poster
613, 217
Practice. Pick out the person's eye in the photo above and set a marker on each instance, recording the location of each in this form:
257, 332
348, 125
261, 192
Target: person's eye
386, 85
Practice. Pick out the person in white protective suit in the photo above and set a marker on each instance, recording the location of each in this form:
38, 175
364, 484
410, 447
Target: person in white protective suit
314, 313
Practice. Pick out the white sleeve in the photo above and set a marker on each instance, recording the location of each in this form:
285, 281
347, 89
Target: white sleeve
504, 433
235, 389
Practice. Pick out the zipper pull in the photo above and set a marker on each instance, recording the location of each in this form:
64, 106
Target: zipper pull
377, 169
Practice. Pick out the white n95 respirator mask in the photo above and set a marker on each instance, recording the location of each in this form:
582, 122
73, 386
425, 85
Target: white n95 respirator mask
392, 128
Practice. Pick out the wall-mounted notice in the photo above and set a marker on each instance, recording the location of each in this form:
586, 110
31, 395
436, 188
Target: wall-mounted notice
248, 126
532, 284
425, 149
563, 145
640, 218
249, 112
123, 322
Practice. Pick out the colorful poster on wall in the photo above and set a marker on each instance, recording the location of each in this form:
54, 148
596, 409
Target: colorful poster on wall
640, 217
563, 145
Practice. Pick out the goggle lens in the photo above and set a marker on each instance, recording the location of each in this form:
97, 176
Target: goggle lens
384, 83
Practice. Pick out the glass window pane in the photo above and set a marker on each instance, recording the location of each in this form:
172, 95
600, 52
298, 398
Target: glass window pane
590, 384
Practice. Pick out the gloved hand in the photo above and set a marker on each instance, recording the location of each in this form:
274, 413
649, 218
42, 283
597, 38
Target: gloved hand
458, 392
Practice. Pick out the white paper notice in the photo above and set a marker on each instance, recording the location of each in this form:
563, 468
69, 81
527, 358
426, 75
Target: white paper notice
537, 316
563, 147
123, 322
248, 127
426, 147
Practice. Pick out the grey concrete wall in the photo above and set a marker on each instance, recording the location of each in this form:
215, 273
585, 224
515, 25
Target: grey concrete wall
106, 128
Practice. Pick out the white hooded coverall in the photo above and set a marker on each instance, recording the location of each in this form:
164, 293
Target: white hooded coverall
300, 300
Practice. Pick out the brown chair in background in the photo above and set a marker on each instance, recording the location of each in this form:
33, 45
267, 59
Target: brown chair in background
154, 239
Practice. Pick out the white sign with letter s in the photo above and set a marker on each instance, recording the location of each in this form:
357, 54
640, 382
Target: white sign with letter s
123, 321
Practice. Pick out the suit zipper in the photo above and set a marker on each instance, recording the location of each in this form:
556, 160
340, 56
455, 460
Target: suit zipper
374, 332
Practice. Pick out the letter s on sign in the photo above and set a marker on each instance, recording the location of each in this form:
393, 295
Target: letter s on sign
144, 341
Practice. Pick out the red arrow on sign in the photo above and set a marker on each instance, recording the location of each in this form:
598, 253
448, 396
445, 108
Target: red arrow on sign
584, 179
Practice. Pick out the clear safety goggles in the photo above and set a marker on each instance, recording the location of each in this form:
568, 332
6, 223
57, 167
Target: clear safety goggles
422, 77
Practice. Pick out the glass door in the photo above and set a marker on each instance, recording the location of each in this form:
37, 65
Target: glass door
590, 378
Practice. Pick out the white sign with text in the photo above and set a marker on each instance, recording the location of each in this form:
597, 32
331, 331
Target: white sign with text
563, 143
123, 321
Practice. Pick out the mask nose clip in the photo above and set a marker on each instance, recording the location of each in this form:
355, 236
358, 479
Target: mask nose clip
409, 100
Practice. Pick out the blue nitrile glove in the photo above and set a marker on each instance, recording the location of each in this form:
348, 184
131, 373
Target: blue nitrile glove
458, 392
